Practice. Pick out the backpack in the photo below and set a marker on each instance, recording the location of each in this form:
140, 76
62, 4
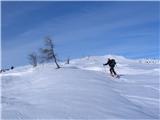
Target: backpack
113, 62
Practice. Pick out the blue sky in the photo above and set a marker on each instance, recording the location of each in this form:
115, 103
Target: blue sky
79, 29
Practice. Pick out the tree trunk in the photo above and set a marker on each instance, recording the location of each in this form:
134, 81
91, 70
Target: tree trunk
55, 60
57, 64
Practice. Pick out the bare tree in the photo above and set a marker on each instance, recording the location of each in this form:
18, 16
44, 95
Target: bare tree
48, 52
33, 59
68, 60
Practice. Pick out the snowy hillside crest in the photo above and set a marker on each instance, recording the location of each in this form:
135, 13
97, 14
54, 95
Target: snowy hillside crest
82, 89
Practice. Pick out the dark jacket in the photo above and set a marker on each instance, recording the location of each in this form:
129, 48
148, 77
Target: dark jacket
111, 63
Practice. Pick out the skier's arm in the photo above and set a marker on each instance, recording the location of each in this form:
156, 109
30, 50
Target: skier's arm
105, 64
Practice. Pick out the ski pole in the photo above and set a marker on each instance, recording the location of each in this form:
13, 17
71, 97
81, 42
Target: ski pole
104, 69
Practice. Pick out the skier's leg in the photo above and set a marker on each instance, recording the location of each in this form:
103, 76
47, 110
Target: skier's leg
114, 71
111, 71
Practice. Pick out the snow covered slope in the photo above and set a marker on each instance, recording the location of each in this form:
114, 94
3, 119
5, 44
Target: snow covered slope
82, 90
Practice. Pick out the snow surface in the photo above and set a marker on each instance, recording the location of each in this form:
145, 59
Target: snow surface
82, 89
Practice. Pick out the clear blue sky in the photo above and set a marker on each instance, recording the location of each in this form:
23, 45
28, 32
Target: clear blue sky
79, 29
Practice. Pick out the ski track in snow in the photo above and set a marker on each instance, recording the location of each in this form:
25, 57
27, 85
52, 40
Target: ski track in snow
82, 90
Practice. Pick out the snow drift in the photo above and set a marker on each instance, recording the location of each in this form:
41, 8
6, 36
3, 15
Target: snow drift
82, 90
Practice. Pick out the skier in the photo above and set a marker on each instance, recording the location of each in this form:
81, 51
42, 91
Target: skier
111, 63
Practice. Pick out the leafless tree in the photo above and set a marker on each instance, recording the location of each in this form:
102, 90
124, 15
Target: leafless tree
48, 53
68, 60
33, 59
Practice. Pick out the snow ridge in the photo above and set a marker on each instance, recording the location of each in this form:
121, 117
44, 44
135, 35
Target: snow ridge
82, 89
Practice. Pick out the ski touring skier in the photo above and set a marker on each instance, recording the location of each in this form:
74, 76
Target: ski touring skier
111, 63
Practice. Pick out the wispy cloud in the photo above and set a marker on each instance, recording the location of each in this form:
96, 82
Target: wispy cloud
102, 29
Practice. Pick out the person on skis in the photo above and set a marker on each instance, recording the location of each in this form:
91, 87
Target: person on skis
111, 63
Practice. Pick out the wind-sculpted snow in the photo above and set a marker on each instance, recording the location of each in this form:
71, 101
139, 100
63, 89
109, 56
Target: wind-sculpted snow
82, 90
